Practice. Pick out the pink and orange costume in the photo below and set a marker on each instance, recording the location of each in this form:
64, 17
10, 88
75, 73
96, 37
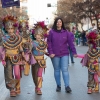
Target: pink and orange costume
26, 45
91, 61
11, 54
38, 50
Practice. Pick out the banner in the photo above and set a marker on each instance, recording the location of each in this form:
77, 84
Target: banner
10, 3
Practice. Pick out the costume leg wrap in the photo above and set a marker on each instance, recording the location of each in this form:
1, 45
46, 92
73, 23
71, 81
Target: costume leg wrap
18, 84
17, 71
96, 78
18, 87
96, 87
90, 80
96, 82
27, 69
34, 70
8, 72
39, 83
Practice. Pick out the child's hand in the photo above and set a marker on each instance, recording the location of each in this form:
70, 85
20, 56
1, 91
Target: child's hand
46, 53
4, 63
75, 55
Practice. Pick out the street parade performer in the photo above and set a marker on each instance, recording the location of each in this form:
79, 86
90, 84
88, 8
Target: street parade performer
26, 45
13, 52
38, 50
91, 61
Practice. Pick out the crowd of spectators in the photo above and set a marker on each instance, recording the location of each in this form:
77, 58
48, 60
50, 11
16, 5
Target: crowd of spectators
80, 38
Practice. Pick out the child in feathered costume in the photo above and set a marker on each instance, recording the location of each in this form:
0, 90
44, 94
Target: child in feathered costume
38, 50
12, 51
90, 60
26, 44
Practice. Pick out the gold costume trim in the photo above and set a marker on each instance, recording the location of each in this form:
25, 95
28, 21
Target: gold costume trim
13, 43
39, 84
93, 54
41, 61
11, 52
39, 57
42, 46
25, 39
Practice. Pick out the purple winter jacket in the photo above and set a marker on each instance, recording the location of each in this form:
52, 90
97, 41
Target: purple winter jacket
72, 36
58, 43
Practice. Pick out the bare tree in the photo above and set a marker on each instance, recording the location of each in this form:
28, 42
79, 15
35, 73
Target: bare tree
15, 11
76, 10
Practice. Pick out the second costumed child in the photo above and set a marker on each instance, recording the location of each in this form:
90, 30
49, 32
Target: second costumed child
26, 45
91, 61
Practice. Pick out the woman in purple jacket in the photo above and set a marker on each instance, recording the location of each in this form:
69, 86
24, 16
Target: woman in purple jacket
58, 40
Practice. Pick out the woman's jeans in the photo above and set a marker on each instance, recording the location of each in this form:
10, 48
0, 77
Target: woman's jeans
61, 63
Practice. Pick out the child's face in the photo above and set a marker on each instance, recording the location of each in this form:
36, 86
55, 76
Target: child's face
38, 37
10, 30
24, 29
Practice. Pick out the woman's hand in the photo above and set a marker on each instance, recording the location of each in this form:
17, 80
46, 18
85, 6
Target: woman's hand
75, 55
52, 55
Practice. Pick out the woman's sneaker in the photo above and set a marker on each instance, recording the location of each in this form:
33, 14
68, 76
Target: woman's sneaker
68, 89
58, 89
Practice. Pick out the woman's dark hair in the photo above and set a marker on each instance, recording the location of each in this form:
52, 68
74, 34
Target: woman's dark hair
55, 24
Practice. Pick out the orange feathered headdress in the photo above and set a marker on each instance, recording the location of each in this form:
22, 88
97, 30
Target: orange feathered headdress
10, 20
40, 28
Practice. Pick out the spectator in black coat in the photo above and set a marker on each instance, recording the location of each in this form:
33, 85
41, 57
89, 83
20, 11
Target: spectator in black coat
83, 35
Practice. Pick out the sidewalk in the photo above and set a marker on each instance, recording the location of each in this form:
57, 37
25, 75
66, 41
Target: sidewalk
78, 84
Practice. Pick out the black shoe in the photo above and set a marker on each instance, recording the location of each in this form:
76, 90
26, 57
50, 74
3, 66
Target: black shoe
68, 89
58, 89
73, 62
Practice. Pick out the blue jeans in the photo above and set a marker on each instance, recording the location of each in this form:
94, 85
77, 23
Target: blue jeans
61, 63
79, 41
71, 56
